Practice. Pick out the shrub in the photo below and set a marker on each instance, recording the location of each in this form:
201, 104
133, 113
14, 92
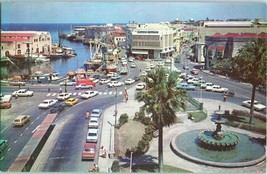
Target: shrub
147, 137
115, 166
123, 119
240, 113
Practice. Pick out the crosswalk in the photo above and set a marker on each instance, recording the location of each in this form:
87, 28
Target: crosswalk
79, 93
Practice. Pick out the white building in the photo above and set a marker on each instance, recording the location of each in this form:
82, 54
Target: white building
153, 41
16, 43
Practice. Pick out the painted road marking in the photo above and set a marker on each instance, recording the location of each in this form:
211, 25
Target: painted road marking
110, 93
35, 129
15, 142
21, 135
9, 149
2, 158
48, 94
54, 94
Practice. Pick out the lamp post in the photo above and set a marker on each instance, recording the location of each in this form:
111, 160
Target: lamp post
110, 136
116, 108
131, 162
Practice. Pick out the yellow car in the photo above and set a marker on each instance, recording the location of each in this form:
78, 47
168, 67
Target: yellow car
21, 120
71, 101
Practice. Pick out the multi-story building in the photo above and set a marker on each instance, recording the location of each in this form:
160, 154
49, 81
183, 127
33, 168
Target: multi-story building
223, 38
153, 41
17, 43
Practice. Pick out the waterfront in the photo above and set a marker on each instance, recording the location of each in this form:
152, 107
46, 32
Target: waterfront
62, 65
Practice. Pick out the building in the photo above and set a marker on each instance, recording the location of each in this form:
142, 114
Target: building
153, 41
223, 39
17, 43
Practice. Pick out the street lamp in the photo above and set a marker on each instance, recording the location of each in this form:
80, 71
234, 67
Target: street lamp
116, 108
110, 136
131, 162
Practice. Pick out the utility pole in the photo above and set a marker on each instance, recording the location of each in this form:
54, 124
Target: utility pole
116, 108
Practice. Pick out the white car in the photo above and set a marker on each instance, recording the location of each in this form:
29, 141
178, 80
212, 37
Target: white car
257, 105
152, 66
217, 88
96, 113
104, 81
114, 84
144, 73
129, 81
133, 65
140, 86
110, 74
47, 103
209, 86
23, 93
89, 94
93, 123
192, 81
5, 98
92, 136
131, 59
63, 96
205, 85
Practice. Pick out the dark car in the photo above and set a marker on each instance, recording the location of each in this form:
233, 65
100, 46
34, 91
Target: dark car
58, 107
136, 78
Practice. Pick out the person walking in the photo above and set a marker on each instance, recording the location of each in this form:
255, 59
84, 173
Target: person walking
60, 90
224, 98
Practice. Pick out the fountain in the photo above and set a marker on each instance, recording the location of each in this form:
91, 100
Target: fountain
218, 139
218, 147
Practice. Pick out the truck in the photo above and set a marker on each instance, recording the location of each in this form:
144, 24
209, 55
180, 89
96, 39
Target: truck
86, 81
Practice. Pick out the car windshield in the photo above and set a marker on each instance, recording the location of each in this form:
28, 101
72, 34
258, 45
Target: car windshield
95, 112
92, 134
89, 150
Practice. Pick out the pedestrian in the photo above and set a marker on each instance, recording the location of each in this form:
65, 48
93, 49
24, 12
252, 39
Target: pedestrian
140, 69
224, 98
48, 89
87, 115
60, 90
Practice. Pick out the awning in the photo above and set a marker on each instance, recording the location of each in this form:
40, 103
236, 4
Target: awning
139, 52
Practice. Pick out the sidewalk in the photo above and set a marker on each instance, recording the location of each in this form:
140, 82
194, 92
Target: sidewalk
170, 158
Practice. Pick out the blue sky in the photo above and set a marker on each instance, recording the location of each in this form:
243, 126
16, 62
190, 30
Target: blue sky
122, 12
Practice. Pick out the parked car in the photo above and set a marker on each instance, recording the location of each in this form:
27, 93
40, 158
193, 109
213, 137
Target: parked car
89, 94
96, 113
140, 86
58, 107
136, 78
110, 74
129, 81
5, 98
200, 82
152, 66
3, 145
205, 85
143, 73
104, 81
5, 105
229, 93
192, 81
83, 86
122, 71
93, 122
47, 103
194, 71
63, 96
257, 105
89, 150
67, 83
17, 83
216, 88
21, 120
92, 135
185, 86
133, 65
71, 101
114, 84
116, 77
131, 59
186, 67
148, 69
23, 93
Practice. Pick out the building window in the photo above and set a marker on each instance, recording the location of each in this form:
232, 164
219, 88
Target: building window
18, 45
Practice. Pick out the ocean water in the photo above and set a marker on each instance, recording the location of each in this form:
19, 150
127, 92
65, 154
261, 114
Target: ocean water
63, 65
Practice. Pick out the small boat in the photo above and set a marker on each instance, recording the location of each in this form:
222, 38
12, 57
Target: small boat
68, 52
41, 59
96, 61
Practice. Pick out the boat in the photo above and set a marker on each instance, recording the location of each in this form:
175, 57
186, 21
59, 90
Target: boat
111, 68
68, 52
41, 59
96, 60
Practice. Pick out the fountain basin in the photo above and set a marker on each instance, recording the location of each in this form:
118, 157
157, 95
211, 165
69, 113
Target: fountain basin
248, 152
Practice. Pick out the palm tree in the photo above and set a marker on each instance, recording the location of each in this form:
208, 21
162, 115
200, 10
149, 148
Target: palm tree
250, 66
161, 100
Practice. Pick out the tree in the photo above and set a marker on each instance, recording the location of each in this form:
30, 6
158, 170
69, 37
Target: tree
250, 66
161, 100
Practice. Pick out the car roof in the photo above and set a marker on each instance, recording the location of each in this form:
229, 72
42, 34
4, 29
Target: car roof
96, 110
92, 130
93, 118
21, 116
89, 145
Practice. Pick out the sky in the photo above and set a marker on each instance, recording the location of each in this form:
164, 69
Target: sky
123, 12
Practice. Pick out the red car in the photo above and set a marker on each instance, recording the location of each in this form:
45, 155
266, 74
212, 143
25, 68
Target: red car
5, 105
89, 150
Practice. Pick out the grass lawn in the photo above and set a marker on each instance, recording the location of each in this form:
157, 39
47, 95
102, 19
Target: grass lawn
198, 115
154, 168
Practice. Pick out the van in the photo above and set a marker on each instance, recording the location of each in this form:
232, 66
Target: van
21, 120
86, 81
